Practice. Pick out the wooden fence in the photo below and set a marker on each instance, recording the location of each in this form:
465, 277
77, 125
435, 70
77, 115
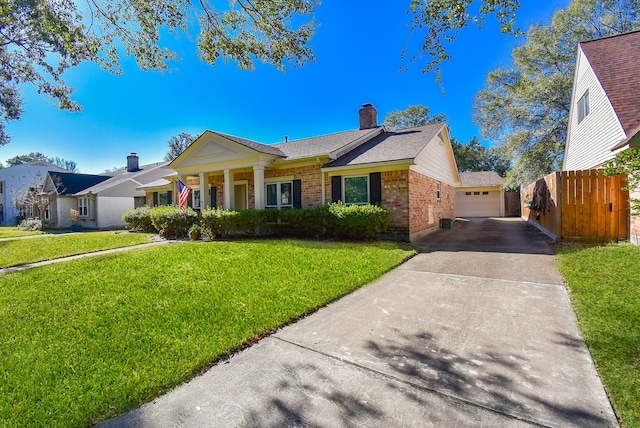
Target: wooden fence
578, 204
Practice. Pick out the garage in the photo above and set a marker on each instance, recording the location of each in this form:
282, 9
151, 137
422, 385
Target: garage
480, 195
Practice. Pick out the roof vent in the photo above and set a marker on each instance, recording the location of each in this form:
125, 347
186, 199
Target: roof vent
133, 163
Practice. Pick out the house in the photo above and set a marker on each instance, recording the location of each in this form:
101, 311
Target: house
480, 194
100, 199
15, 183
605, 108
410, 172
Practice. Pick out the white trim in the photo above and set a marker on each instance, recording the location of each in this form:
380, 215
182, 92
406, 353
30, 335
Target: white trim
279, 179
378, 166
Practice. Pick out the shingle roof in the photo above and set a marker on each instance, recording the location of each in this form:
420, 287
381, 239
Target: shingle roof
68, 183
614, 60
323, 145
259, 147
403, 144
125, 183
480, 179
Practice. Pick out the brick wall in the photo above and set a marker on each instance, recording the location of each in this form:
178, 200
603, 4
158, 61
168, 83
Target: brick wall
395, 198
425, 208
310, 177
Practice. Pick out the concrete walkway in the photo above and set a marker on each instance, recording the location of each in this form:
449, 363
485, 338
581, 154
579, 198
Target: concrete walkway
477, 330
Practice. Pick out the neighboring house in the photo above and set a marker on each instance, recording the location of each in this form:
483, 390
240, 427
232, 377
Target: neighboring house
411, 172
480, 194
100, 199
15, 182
605, 106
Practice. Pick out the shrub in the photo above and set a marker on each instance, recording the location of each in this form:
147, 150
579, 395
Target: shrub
221, 223
174, 223
139, 220
358, 221
30, 224
308, 222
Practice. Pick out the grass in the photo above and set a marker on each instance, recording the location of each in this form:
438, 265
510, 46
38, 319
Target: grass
604, 284
84, 340
22, 251
14, 232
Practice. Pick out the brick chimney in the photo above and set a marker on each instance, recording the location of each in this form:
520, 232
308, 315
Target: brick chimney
368, 116
133, 163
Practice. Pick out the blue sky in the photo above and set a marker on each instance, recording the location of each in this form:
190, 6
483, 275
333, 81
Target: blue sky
357, 47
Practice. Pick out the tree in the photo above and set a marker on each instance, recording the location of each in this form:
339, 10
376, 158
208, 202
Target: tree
177, 144
40, 40
439, 22
524, 108
474, 157
69, 165
628, 163
412, 116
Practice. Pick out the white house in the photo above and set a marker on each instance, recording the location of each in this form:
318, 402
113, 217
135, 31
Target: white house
100, 199
15, 182
605, 106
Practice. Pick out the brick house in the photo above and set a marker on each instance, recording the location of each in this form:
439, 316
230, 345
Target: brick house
411, 172
605, 108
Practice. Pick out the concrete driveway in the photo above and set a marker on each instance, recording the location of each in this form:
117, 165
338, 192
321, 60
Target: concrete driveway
477, 330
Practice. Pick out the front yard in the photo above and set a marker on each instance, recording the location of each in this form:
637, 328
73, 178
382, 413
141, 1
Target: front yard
82, 341
604, 284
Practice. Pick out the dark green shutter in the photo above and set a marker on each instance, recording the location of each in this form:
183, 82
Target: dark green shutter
297, 193
169, 197
336, 188
213, 197
190, 199
155, 199
375, 188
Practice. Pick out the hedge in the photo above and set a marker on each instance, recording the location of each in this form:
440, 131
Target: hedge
333, 221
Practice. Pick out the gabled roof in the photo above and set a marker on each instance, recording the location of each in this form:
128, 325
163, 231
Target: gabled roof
68, 183
259, 147
614, 60
404, 144
125, 184
480, 179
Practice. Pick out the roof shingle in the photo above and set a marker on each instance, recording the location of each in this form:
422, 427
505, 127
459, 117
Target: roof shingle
480, 179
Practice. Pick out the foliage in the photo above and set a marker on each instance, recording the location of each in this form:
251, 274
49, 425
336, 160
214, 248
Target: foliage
31, 224
40, 40
603, 284
22, 251
627, 162
474, 157
139, 220
178, 144
411, 117
358, 221
174, 223
524, 108
439, 22
69, 165
335, 220
85, 340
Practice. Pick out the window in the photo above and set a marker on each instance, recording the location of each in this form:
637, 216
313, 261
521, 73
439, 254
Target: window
476, 193
83, 207
485, 193
583, 106
467, 193
1, 186
280, 195
356, 190
163, 198
438, 190
195, 194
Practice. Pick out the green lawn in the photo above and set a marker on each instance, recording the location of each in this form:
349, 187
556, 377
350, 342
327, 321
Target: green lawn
14, 232
21, 251
84, 340
604, 283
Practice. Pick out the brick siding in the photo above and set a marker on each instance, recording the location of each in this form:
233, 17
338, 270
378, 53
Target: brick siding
425, 208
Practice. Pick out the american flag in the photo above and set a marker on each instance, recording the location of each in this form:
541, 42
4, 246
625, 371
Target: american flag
183, 195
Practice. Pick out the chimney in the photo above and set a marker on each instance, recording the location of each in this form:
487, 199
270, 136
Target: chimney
368, 116
132, 163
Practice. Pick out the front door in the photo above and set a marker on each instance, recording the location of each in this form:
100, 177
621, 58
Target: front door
240, 197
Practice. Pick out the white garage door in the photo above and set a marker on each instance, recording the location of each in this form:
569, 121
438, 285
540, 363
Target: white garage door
478, 204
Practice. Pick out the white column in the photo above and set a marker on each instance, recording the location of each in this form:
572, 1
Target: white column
258, 186
204, 195
227, 190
